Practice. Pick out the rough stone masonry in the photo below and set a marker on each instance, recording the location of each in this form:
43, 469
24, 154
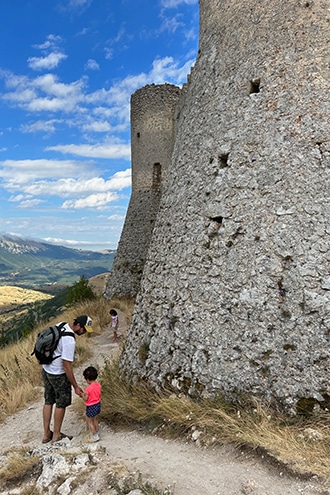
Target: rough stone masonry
235, 291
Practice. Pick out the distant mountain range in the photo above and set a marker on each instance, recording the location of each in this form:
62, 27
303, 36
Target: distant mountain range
29, 263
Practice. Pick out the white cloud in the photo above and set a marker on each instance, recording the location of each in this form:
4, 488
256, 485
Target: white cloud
47, 126
47, 93
84, 192
17, 198
80, 244
77, 4
175, 3
91, 65
49, 62
52, 55
116, 217
97, 126
80, 187
170, 24
83, 32
21, 96
48, 83
103, 150
44, 93
109, 52
16, 173
52, 41
30, 203
50, 105
94, 201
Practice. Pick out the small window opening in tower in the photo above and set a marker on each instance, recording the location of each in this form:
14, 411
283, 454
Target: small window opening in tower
223, 160
217, 219
254, 86
157, 176
137, 134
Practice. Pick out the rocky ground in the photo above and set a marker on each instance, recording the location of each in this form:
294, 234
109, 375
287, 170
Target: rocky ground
82, 468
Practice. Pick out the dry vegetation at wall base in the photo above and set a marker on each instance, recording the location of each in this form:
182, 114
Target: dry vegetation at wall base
301, 444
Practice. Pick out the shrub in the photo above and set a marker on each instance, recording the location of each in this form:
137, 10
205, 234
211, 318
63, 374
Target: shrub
80, 291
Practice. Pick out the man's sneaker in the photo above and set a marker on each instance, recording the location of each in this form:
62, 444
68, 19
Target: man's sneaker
96, 437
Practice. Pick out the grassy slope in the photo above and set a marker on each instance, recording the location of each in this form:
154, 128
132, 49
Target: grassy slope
11, 296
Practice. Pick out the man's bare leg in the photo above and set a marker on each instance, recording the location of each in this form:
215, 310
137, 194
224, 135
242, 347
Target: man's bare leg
58, 421
46, 417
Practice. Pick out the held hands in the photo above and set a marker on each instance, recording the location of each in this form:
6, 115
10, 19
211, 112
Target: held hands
79, 391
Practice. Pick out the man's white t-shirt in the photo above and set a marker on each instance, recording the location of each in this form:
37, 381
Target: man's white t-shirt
64, 350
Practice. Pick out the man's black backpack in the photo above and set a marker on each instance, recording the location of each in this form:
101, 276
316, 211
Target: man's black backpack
47, 341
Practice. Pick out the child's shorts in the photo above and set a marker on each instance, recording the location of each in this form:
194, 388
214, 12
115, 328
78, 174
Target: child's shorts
93, 410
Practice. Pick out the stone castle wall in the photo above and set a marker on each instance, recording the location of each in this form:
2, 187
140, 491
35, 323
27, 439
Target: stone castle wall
152, 139
235, 292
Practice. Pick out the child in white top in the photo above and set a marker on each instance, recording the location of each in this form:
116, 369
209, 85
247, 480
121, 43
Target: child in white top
114, 324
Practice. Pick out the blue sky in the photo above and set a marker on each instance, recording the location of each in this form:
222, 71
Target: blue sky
67, 71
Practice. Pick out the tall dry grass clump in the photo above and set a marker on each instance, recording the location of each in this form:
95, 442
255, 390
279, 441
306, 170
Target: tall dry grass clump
18, 466
19, 376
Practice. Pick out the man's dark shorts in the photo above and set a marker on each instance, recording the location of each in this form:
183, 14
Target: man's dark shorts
57, 390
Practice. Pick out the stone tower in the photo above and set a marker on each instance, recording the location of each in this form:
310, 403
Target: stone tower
235, 293
152, 141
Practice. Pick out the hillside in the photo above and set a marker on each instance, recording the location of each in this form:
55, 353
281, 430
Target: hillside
29, 263
20, 307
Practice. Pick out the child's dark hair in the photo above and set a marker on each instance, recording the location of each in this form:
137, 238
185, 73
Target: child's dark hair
90, 373
113, 312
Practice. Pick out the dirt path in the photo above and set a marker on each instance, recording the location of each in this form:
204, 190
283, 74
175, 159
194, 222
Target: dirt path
184, 467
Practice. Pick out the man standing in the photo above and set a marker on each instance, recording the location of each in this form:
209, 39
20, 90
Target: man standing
59, 377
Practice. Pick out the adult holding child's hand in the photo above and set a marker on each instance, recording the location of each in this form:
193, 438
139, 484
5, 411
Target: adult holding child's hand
59, 377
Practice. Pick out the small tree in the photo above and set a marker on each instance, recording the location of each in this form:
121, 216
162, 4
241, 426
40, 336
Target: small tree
80, 291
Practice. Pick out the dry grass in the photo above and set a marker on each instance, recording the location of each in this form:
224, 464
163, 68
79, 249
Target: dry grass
283, 439
18, 466
13, 296
98, 283
15, 301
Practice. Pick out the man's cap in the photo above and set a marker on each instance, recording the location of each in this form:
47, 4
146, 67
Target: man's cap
85, 322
